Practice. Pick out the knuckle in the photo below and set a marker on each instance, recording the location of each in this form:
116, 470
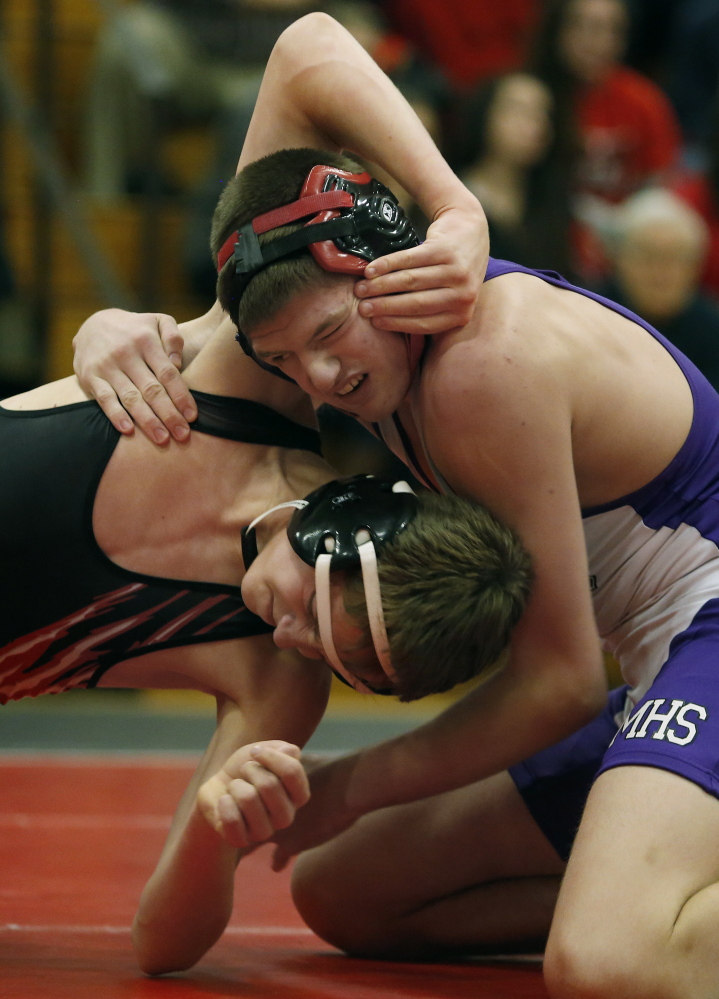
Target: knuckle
145, 339
121, 352
265, 781
130, 397
242, 794
410, 280
204, 800
167, 374
152, 390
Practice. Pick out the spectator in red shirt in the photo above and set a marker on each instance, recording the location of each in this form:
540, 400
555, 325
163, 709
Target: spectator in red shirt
469, 40
627, 131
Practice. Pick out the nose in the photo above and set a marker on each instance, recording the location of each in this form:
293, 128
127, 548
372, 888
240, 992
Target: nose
322, 371
289, 634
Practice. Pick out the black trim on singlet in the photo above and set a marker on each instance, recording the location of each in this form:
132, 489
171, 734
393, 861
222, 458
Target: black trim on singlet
250, 423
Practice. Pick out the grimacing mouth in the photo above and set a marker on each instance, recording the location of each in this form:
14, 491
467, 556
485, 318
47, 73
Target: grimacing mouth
352, 385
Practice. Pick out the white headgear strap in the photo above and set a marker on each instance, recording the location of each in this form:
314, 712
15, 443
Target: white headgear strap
297, 504
373, 599
324, 621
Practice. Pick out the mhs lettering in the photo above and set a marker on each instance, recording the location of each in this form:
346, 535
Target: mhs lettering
676, 723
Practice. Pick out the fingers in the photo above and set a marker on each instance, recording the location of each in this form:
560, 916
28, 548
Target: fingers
166, 393
130, 361
106, 397
416, 256
132, 399
422, 299
261, 798
411, 279
435, 310
288, 769
171, 338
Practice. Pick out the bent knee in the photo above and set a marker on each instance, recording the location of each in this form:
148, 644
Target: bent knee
335, 906
580, 967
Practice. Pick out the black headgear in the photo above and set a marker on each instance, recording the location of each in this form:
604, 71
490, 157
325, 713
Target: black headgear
341, 525
338, 511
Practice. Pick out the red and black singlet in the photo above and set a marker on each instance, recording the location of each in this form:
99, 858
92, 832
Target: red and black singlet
67, 612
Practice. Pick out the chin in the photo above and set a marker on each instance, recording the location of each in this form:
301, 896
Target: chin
379, 407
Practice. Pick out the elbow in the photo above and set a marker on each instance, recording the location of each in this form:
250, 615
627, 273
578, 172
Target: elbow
586, 689
314, 31
164, 954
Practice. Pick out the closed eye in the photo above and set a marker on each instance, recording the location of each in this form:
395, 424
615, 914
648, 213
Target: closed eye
331, 333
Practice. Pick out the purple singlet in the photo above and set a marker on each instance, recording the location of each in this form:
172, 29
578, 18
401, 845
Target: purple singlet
654, 576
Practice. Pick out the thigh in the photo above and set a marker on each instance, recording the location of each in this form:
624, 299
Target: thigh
401, 857
648, 845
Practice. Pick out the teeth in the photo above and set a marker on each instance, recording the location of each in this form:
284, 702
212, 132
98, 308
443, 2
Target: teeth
351, 386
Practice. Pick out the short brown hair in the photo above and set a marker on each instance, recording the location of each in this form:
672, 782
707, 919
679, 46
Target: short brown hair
267, 183
454, 585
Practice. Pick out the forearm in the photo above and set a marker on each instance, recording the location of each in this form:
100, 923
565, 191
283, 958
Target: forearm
491, 729
187, 902
321, 80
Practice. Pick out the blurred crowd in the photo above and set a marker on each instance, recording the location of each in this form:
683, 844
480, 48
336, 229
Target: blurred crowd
588, 129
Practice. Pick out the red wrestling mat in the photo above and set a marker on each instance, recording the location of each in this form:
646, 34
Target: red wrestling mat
78, 839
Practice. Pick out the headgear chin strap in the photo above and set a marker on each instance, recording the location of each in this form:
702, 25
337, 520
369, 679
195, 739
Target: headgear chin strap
341, 525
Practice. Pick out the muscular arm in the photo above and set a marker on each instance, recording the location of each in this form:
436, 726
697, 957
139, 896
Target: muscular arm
187, 902
321, 89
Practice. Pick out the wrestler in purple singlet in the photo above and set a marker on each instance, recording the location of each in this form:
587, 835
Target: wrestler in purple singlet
654, 576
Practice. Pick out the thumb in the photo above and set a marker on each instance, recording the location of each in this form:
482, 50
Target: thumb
276, 745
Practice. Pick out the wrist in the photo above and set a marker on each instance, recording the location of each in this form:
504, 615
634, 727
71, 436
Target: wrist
463, 201
448, 193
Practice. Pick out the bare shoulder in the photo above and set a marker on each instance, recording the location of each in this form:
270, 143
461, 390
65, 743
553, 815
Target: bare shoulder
516, 348
64, 392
